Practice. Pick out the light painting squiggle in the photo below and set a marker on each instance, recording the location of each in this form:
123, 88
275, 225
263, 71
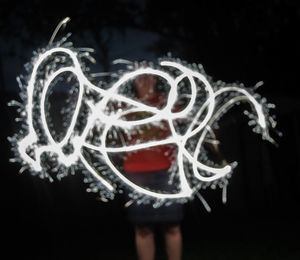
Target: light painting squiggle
100, 112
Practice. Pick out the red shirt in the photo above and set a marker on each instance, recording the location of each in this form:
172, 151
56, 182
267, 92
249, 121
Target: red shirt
154, 158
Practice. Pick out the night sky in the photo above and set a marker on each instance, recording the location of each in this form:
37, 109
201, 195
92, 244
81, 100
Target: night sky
236, 41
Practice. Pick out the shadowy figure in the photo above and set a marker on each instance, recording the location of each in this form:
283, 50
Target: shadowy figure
149, 168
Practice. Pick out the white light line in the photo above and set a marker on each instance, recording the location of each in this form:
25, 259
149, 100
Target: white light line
100, 115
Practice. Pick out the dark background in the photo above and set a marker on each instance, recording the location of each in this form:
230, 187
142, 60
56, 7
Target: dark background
236, 41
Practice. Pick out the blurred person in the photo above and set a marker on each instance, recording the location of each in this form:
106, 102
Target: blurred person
149, 168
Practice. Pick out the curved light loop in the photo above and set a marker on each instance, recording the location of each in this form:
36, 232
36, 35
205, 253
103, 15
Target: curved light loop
199, 123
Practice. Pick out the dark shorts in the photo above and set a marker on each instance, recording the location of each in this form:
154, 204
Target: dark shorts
144, 214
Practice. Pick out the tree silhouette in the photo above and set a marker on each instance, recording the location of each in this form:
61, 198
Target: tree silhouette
32, 23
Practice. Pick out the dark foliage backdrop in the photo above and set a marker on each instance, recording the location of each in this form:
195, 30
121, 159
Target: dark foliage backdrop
245, 41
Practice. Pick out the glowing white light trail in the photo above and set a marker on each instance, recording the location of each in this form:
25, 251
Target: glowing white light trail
95, 108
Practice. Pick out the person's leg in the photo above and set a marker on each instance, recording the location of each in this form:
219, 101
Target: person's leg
173, 241
145, 243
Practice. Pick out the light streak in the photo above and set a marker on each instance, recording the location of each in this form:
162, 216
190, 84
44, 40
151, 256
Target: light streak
62, 23
38, 139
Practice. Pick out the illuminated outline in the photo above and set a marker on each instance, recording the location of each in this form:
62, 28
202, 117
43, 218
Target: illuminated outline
208, 112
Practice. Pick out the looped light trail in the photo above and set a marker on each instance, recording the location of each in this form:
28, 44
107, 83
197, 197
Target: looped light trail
203, 108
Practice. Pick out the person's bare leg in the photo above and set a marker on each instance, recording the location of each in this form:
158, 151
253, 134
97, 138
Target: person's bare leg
173, 241
145, 245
